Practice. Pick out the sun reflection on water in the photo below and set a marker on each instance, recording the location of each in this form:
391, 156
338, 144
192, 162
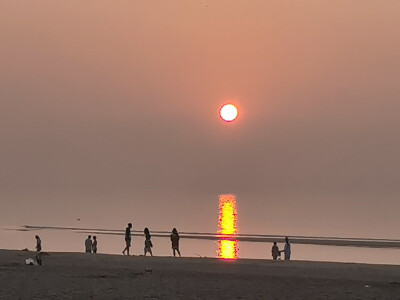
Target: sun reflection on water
227, 228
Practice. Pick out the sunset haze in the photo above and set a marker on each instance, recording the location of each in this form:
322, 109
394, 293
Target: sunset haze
109, 114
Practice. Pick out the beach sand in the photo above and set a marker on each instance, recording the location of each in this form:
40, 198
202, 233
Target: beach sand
90, 276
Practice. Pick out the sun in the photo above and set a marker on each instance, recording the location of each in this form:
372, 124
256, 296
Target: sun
228, 112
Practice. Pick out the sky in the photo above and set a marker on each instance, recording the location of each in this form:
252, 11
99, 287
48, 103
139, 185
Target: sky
109, 114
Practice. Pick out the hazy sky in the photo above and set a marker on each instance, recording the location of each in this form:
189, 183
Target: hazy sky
109, 113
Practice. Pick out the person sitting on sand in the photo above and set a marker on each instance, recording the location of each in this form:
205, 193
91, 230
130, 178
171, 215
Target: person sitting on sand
38, 250
128, 238
88, 244
287, 250
94, 245
175, 241
147, 243
275, 251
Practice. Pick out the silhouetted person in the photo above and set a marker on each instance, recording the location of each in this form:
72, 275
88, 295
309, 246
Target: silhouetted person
94, 244
147, 242
175, 241
287, 250
275, 251
128, 238
88, 244
38, 250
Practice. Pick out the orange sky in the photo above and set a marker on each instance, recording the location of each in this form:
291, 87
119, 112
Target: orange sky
109, 113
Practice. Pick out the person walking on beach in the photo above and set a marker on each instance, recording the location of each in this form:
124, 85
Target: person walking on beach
38, 250
88, 244
128, 238
175, 241
287, 250
147, 242
275, 251
94, 244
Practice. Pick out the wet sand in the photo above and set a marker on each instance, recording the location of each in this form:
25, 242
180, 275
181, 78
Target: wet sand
86, 276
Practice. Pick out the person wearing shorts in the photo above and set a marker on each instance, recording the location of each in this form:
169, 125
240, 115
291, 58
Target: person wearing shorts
128, 238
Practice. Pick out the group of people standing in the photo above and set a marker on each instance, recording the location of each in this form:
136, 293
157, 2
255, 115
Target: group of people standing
287, 251
147, 242
91, 245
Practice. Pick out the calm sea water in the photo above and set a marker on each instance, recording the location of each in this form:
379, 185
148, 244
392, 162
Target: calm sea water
66, 241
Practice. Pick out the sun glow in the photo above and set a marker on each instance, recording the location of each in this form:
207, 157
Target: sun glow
227, 228
228, 112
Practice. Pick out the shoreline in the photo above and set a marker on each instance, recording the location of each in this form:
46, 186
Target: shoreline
380, 243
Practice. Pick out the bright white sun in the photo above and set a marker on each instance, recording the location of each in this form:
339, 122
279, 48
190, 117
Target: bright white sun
228, 112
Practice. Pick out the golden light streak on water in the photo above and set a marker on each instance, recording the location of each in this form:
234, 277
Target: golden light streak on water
227, 226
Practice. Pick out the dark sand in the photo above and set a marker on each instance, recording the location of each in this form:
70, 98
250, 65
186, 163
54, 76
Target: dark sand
87, 276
